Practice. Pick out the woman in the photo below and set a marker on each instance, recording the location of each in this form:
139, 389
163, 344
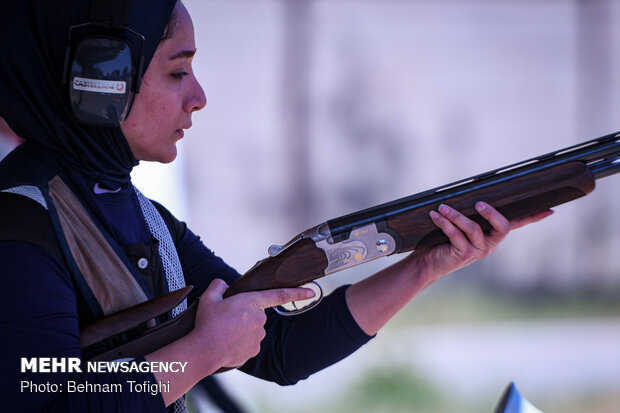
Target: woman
99, 245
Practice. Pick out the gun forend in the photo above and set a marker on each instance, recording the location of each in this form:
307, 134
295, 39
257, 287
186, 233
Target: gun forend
518, 197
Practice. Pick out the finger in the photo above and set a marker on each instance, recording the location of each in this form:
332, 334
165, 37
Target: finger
273, 298
500, 226
518, 223
471, 229
216, 290
454, 234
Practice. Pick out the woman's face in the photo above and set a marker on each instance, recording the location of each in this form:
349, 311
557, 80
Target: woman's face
168, 96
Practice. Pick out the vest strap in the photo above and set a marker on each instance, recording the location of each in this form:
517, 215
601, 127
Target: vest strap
112, 284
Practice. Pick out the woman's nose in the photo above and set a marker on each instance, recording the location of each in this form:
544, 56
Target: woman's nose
196, 99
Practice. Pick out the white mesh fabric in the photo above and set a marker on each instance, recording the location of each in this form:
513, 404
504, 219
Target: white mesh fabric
169, 260
167, 250
179, 405
30, 191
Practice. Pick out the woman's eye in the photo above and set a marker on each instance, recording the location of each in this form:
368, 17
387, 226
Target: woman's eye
179, 75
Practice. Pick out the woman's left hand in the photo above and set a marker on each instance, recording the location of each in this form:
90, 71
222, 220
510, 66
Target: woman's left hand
468, 243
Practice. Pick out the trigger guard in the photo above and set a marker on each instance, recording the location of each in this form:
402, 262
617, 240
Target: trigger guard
298, 311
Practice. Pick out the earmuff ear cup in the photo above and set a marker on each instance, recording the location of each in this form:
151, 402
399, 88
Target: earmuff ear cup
101, 81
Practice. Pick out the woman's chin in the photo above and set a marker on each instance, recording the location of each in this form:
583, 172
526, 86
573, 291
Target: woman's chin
161, 156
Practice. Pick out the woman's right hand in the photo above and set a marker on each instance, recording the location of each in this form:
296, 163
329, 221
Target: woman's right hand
230, 330
227, 333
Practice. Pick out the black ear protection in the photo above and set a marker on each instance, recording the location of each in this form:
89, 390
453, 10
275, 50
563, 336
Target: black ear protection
103, 65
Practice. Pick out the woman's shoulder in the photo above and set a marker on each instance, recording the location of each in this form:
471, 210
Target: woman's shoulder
26, 220
27, 164
24, 213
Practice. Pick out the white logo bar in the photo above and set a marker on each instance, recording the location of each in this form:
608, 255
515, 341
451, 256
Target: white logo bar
117, 87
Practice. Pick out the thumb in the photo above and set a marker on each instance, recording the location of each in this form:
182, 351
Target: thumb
215, 291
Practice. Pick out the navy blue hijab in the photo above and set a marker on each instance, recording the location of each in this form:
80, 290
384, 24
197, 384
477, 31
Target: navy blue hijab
33, 99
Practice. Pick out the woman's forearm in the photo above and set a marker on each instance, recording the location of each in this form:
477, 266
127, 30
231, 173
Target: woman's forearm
376, 299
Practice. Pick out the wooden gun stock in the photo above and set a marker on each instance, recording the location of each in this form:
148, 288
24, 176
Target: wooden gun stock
93, 335
301, 264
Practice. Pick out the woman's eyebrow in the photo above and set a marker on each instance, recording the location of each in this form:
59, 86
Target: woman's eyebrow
187, 54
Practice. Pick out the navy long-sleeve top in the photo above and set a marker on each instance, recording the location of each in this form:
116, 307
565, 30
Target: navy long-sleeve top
40, 313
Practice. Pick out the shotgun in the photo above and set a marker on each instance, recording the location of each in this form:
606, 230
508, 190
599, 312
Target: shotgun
517, 191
